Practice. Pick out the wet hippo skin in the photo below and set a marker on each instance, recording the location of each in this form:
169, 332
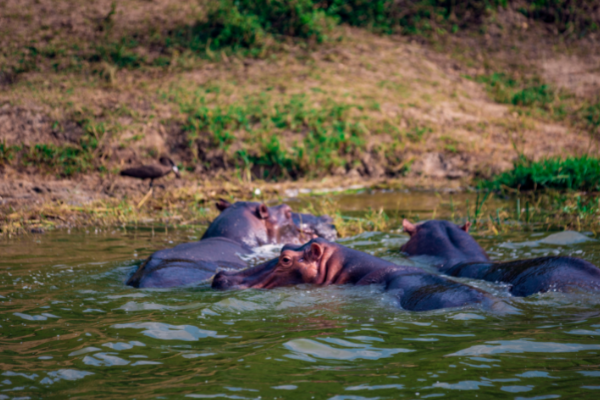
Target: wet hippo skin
459, 255
254, 224
240, 227
188, 263
278, 227
313, 226
321, 262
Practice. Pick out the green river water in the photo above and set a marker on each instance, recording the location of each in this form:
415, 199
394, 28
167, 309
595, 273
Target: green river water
70, 328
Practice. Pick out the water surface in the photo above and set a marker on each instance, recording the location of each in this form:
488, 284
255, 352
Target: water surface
69, 328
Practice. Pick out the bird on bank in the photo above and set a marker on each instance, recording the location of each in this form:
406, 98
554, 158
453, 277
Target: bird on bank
153, 171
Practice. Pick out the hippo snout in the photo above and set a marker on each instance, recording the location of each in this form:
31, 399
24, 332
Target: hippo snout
224, 280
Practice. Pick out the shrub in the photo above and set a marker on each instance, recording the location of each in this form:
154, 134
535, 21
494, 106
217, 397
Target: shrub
248, 23
533, 95
572, 173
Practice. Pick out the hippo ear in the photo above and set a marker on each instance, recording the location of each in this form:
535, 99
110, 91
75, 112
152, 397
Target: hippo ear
223, 204
466, 226
409, 227
316, 251
263, 211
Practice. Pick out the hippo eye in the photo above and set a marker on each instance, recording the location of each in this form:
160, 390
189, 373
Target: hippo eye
286, 260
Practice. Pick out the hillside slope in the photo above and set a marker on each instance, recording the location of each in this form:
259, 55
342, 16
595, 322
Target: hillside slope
359, 110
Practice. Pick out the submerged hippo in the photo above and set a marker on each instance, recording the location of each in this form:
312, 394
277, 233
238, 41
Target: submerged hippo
272, 226
240, 227
254, 224
313, 226
321, 262
189, 263
458, 254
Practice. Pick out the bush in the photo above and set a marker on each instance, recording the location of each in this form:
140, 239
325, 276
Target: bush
534, 95
248, 23
568, 16
573, 173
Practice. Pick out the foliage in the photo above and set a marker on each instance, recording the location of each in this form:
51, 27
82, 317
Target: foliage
591, 114
568, 16
7, 153
64, 160
420, 17
572, 173
253, 26
329, 134
533, 95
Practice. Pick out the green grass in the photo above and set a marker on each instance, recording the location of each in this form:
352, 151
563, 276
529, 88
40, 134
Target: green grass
591, 115
256, 28
64, 161
531, 96
7, 153
572, 173
289, 139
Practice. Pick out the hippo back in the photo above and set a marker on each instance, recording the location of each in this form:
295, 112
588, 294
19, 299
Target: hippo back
534, 275
446, 241
189, 263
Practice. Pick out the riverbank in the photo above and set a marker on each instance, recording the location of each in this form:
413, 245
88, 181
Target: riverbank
421, 110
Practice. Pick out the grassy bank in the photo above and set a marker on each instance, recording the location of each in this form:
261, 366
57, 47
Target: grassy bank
326, 103
225, 28
490, 214
429, 92
569, 174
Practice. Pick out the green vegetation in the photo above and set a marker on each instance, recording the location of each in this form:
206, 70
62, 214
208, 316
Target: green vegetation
591, 114
507, 90
62, 160
572, 173
7, 153
531, 96
256, 28
329, 136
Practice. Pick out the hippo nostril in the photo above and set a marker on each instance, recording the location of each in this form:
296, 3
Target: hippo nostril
220, 281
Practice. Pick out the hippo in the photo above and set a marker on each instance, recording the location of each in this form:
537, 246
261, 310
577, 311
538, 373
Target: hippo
233, 234
458, 254
313, 226
321, 262
309, 225
254, 224
189, 263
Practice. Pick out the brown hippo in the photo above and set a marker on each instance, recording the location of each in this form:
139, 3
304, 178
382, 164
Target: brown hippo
321, 262
240, 227
458, 254
309, 225
189, 263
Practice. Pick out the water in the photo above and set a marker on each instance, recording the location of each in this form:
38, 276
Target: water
71, 329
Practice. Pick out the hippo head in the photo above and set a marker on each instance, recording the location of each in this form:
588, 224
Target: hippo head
444, 240
295, 265
313, 226
255, 224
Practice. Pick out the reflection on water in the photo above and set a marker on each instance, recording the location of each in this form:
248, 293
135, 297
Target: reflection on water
70, 328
